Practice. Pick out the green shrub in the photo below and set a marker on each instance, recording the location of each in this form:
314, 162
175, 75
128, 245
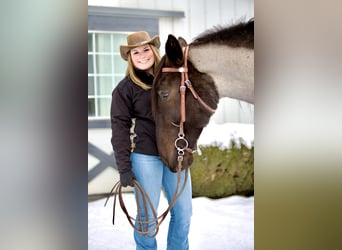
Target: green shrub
218, 173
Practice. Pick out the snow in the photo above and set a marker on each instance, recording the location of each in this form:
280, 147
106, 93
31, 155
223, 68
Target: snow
226, 223
223, 134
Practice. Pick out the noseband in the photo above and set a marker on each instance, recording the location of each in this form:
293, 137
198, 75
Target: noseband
181, 144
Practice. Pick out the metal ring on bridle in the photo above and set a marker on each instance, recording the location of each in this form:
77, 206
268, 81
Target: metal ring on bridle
180, 148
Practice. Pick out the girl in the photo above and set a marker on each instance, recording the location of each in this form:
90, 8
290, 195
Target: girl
138, 158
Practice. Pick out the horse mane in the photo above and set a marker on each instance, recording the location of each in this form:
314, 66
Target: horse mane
238, 35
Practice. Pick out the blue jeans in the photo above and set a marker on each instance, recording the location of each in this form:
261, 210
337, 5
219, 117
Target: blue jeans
153, 175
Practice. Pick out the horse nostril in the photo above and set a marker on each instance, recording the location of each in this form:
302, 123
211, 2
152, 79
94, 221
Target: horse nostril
164, 95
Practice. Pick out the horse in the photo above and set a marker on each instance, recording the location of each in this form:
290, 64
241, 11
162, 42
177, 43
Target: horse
190, 80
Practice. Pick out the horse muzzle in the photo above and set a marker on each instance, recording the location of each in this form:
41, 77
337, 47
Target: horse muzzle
182, 162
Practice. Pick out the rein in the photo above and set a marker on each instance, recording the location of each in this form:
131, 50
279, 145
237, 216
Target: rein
143, 225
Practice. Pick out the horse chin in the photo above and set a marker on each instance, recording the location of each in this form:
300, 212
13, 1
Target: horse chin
186, 163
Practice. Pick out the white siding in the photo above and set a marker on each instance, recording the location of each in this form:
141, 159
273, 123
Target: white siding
199, 14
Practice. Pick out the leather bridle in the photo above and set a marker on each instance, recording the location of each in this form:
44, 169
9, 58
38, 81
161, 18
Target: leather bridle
181, 143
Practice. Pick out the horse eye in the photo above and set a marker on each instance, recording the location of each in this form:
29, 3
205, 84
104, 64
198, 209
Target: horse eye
164, 94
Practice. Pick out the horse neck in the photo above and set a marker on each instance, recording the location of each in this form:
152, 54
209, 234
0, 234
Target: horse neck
231, 68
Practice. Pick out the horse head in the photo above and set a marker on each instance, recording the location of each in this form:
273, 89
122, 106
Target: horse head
166, 105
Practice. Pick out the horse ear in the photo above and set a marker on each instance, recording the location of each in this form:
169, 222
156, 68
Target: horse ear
174, 51
182, 42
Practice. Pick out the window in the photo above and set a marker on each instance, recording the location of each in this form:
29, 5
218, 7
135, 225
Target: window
107, 30
105, 69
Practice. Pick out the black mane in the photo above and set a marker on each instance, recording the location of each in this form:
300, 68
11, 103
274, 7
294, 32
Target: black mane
239, 35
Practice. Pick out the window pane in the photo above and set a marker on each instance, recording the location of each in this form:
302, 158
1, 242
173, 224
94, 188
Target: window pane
104, 64
103, 43
104, 85
90, 64
91, 107
106, 69
90, 42
119, 39
104, 106
120, 65
91, 89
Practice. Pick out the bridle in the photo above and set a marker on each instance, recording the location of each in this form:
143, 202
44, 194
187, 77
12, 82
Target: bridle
181, 145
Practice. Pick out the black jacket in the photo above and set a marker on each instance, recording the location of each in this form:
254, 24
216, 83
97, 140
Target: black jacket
131, 101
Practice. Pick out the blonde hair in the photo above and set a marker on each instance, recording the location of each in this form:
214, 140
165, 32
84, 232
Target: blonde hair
131, 73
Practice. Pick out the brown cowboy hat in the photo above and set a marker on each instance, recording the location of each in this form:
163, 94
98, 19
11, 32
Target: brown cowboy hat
138, 39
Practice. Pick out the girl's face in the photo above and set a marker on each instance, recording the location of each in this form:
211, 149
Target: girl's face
142, 57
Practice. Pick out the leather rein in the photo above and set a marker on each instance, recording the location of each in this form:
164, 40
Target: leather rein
139, 224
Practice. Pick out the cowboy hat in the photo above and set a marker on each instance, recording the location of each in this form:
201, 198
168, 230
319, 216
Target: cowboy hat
138, 39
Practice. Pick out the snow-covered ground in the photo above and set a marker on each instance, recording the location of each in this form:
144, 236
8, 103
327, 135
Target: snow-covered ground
223, 224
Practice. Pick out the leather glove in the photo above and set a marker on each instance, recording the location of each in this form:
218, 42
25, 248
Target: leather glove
127, 178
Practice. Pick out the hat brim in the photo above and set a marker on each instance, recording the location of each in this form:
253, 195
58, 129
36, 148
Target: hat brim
124, 49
